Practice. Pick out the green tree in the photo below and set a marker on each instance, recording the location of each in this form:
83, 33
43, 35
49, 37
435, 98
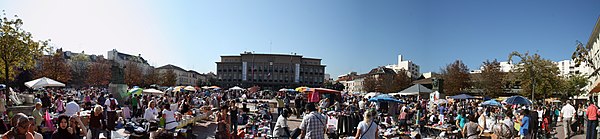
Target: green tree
491, 79
18, 50
133, 74
401, 81
536, 74
169, 78
456, 78
99, 73
370, 84
55, 67
386, 83
583, 54
153, 77
79, 65
572, 85
333, 85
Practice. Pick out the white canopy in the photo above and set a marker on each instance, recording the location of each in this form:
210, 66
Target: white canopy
43, 82
153, 91
236, 88
189, 88
405, 94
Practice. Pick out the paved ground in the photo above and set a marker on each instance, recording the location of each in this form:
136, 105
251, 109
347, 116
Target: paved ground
561, 135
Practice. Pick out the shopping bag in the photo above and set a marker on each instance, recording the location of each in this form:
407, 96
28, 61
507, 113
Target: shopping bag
89, 134
49, 124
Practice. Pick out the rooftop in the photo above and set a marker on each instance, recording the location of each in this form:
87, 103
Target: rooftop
169, 66
271, 54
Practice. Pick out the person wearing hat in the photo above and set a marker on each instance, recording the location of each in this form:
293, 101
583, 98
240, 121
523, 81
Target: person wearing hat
313, 125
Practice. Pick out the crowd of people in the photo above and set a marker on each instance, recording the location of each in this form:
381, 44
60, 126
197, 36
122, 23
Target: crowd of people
90, 112
459, 118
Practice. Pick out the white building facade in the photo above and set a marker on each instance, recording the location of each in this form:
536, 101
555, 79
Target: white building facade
412, 68
122, 59
594, 43
568, 68
356, 85
184, 77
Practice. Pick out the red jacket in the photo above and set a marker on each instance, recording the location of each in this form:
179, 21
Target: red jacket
592, 112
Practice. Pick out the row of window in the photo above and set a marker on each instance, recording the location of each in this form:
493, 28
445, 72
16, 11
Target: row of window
311, 63
311, 72
284, 69
270, 77
267, 81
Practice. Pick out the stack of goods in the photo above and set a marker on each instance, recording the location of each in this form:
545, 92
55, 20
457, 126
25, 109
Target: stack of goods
257, 127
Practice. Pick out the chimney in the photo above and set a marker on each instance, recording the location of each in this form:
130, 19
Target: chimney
399, 59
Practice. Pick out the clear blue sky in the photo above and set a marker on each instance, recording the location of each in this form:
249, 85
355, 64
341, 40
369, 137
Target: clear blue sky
348, 35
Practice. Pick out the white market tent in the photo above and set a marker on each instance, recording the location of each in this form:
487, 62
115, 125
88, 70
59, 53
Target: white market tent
236, 88
405, 94
152, 91
43, 82
189, 88
414, 90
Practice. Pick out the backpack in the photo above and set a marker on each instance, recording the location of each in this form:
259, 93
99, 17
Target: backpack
113, 104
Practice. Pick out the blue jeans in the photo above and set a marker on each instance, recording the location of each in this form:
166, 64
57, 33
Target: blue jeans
591, 129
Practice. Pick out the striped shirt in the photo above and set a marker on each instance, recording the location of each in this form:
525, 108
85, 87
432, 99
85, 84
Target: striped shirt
314, 126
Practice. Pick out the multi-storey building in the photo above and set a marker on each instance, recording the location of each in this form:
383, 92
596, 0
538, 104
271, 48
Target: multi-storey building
185, 77
409, 66
355, 83
594, 43
270, 71
568, 68
505, 66
122, 59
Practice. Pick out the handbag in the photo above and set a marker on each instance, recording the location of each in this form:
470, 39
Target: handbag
296, 133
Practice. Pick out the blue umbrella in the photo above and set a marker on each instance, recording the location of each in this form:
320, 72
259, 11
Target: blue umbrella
491, 102
462, 96
518, 100
384, 97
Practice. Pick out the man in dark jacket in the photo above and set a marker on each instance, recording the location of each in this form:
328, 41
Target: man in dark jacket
46, 102
533, 125
298, 103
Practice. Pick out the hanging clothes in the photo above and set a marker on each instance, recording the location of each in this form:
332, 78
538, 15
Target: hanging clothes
314, 97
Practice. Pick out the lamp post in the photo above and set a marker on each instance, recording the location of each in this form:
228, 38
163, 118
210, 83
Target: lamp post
533, 82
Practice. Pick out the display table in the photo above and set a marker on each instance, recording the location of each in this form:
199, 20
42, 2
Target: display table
486, 135
437, 130
188, 119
